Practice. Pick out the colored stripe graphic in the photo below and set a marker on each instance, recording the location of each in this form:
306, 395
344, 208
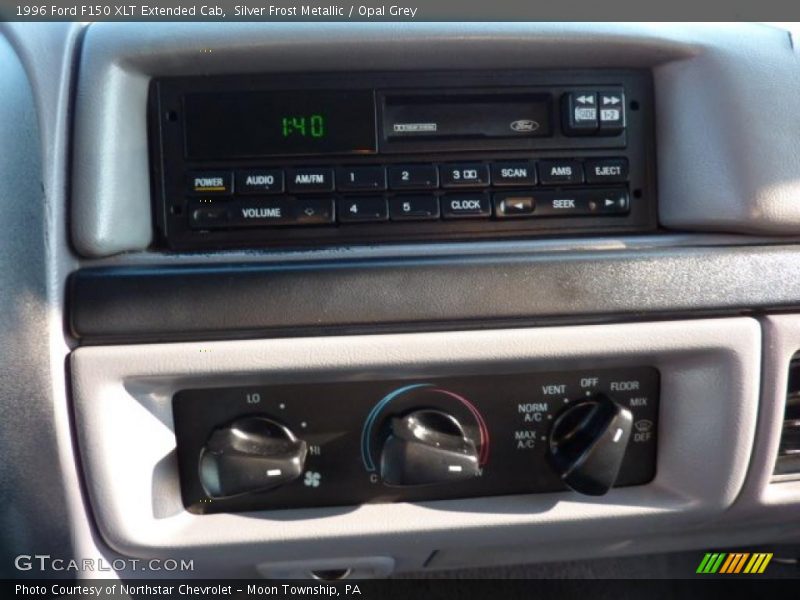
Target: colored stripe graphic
704, 563
715, 566
758, 563
741, 562
734, 563
711, 562
732, 558
765, 563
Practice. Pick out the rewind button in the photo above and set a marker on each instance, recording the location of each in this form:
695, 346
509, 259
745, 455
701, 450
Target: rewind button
512, 205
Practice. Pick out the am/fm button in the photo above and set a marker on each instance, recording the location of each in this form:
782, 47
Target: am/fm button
309, 179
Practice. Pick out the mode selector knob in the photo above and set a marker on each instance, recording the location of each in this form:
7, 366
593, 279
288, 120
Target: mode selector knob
587, 444
426, 447
251, 454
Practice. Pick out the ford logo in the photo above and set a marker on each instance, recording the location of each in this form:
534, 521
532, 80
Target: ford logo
524, 125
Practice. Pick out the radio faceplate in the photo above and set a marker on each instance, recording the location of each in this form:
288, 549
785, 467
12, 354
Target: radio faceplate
316, 159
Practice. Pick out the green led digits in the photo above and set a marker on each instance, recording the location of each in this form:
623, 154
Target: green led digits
304, 125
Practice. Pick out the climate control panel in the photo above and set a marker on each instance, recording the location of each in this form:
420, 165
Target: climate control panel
353, 442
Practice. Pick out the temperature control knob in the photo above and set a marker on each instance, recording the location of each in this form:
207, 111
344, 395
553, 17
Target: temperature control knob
425, 447
587, 444
252, 454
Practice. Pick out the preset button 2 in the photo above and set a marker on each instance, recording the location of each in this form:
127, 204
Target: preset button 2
413, 177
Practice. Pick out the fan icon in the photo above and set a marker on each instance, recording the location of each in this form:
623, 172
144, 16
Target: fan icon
312, 479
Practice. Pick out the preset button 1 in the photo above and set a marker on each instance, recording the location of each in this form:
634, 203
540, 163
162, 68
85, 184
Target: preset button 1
361, 178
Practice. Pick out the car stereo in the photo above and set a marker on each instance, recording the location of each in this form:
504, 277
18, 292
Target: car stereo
332, 158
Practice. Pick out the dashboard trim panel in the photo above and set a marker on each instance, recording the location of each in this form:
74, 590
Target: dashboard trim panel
149, 303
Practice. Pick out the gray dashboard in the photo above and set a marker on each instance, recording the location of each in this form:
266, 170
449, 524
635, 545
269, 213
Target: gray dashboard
710, 300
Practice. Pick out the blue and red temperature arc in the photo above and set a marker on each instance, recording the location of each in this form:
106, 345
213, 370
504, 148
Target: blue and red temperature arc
366, 432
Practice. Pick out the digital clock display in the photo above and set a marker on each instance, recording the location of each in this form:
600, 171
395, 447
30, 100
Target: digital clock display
304, 125
271, 123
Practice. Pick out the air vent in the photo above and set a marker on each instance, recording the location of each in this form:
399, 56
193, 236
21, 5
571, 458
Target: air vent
788, 462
